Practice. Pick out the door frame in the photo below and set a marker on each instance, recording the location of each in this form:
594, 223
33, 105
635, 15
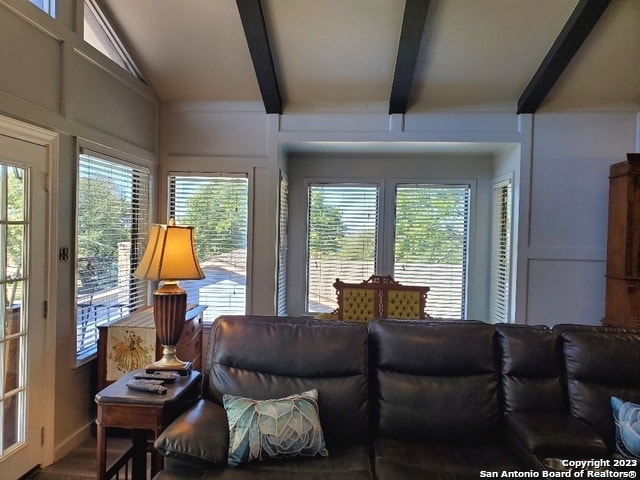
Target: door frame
49, 139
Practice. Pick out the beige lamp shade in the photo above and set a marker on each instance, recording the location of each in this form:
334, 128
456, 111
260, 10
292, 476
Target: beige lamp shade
170, 255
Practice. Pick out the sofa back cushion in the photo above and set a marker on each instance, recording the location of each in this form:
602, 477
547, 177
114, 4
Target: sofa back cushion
434, 381
580, 327
601, 364
532, 367
273, 357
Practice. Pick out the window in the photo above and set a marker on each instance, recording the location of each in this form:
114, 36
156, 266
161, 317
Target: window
430, 246
99, 33
112, 229
429, 241
282, 246
500, 299
341, 239
47, 6
217, 207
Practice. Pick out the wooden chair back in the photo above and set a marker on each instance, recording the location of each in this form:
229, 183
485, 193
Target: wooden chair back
380, 297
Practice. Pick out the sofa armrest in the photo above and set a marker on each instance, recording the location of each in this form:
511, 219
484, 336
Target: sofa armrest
555, 435
200, 435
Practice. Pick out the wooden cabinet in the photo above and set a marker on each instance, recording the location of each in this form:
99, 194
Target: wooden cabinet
622, 304
188, 349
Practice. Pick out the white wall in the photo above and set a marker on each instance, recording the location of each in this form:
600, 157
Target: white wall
224, 137
426, 167
559, 161
230, 138
564, 251
51, 78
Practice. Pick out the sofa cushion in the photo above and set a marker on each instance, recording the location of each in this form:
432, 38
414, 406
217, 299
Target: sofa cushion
273, 357
200, 436
398, 460
434, 381
278, 428
345, 463
555, 435
601, 365
532, 369
627, 419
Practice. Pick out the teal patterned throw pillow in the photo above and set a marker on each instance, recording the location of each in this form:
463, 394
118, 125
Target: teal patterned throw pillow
627, 418
279, 428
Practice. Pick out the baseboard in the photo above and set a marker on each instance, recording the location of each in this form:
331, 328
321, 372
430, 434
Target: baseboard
72, 441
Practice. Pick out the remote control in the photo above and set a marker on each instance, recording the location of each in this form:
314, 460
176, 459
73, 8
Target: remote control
151, 381
163, 377
149, 386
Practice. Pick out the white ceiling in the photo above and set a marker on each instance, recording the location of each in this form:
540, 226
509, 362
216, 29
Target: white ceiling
476, 55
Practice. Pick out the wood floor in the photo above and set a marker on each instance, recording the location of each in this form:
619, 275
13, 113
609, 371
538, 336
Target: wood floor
80, 464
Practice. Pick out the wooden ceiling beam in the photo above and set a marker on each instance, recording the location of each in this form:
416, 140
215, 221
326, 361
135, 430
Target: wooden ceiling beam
255, 31
582, 20
413, 22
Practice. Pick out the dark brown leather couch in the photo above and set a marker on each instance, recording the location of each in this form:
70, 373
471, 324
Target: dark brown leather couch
412, 399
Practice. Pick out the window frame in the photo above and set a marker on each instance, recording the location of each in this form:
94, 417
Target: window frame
49, 7
379, 184
386, 226
125, 161
508, 315
437, 183
209, 314
472, 239
283, 246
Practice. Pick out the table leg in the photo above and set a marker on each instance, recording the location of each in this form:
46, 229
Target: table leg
139, 461
157, 462
102, 452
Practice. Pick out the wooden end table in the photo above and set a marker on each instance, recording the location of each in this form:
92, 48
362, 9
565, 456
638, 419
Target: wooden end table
118, 406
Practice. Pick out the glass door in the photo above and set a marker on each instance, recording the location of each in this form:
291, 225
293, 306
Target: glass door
23, 206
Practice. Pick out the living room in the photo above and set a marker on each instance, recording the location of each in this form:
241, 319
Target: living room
461, 128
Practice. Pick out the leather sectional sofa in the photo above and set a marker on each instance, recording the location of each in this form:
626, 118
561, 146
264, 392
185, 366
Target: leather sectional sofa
413, 399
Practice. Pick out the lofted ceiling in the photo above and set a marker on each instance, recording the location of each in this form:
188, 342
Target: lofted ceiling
388, 55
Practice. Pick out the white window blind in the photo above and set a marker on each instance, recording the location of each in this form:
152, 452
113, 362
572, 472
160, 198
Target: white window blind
341, 239
501, 253
217, 207
112, 229
282, 246
430, 248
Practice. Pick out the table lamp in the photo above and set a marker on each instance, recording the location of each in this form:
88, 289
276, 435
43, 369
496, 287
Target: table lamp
170, 256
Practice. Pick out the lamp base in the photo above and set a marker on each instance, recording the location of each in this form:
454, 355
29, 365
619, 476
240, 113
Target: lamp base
183, 370
151, 368
169, 307
169, 362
